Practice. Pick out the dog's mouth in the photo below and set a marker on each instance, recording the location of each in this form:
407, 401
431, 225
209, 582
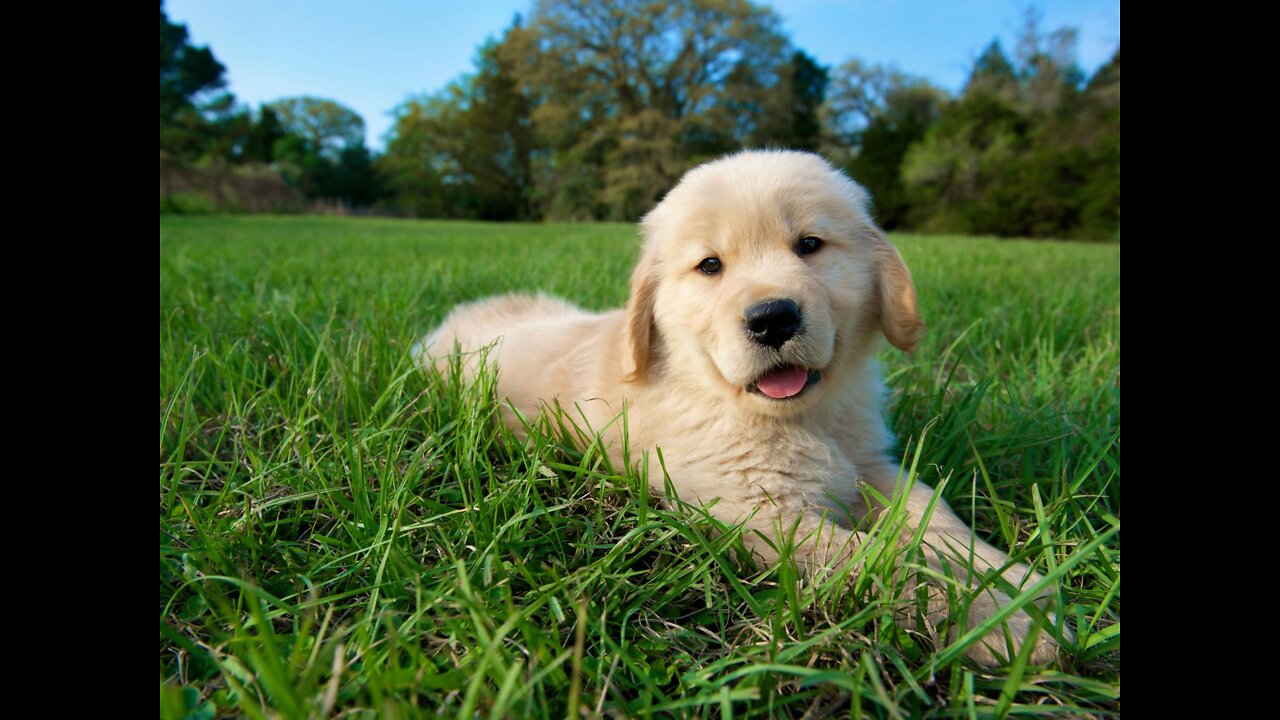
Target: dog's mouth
785, 382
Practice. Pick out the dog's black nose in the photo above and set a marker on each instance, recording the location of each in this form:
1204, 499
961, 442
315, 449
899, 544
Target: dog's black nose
773, 322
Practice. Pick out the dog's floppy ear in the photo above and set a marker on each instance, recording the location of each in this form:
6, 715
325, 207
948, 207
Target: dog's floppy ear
899, 315
639, 329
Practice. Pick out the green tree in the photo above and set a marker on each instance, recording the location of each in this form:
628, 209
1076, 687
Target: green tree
626, 94
418, 166
595, 107
327, 125
351, 179
909, 112
498, 143
790, 114
318, 145
466, 151
189, 79
1027, 150
1100, 201
263, 135
873, 115
993, 74
186, 71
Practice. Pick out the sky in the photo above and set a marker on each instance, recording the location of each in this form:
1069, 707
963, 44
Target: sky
372, 55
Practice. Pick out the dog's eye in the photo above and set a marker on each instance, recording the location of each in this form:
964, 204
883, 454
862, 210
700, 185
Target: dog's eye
710, 266
808, 245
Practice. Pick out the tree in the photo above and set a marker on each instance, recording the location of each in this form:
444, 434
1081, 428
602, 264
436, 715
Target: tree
993, 74
211, 145
857, 93
263, 135
498, 136
351, 179
418, 166
873, 115
790, 112
594, 108
1100, 132
467, 151
189, 75
909, 112
668, 56
328, 125
1027, 150
622, 90
318, 145
186, 71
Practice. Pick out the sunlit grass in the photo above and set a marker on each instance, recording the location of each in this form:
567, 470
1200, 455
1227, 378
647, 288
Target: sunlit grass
342, 533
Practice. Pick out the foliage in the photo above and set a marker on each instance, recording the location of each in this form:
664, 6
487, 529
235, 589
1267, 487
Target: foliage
466, 151
328, 126
1026, 150
787, 114
595, 108
214, 149
189, 75
874, 114
322, 154
592, 109
186, 71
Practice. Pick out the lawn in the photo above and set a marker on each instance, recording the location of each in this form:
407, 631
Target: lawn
343, 534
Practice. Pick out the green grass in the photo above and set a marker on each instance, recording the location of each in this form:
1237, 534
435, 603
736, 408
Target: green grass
342, 534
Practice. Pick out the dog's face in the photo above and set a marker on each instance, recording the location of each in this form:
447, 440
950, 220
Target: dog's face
762, 277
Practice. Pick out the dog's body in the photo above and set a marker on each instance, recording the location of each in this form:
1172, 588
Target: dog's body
746, 355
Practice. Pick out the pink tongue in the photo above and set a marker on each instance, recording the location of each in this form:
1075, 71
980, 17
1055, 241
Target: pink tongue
783, 383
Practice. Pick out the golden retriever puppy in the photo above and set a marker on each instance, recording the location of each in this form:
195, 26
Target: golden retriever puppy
746, 353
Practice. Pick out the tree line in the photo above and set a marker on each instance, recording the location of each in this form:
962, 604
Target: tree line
591, 109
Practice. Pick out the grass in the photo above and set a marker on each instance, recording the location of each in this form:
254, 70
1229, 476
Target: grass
341, 534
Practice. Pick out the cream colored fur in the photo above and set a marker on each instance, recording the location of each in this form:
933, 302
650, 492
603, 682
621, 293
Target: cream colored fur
679, 360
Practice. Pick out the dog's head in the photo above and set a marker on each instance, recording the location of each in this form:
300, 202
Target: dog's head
762, 275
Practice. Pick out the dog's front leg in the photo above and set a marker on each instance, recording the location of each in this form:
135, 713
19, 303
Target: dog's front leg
811, 539
952, 550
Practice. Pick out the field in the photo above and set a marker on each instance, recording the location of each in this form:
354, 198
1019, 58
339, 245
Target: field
341, 534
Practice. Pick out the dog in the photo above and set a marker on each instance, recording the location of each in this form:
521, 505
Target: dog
746, 354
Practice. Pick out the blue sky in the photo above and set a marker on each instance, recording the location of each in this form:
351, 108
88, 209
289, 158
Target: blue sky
372, 55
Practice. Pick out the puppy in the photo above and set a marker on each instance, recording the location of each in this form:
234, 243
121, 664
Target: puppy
746, 353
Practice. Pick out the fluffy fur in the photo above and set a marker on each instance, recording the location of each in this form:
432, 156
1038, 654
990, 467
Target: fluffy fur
682, 363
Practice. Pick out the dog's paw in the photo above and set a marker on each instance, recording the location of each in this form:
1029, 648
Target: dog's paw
1001, 644
1006, 641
